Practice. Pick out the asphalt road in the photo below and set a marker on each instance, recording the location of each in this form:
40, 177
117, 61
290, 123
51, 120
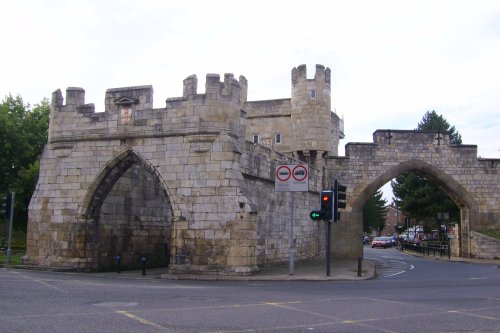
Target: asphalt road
409, 294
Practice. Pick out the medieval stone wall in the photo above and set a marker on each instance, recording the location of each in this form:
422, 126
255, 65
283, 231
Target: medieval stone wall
308, 128
213, 202
471, 182
274, 218
221, 214
268, 118
135, 220
191, 148
484, 247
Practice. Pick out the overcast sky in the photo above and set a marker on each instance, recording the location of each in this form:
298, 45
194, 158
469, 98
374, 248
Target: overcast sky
391, 61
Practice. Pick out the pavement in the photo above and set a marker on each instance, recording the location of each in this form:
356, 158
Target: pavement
311, 270
494, 262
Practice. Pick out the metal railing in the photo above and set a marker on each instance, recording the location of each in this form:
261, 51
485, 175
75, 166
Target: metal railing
428, 247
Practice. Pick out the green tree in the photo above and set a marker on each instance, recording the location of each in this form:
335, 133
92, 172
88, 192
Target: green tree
418, 197
434, 122
374, 213
23, 134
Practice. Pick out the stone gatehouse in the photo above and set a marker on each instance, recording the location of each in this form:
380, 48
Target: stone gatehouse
191, 185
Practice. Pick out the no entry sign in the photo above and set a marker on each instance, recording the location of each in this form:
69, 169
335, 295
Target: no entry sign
292, 178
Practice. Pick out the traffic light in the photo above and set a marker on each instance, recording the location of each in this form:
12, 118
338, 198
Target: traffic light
339, 197
315, 215
326, 205
5, 206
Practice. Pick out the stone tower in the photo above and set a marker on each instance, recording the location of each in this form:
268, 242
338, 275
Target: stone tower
314, 125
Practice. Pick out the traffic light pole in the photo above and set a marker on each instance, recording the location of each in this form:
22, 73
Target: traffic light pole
292, 240
328, 246
9, 249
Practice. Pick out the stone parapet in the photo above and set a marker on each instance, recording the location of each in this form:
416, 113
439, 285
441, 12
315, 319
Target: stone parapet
484, 247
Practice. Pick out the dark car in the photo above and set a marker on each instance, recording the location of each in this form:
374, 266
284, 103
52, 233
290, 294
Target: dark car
381, 242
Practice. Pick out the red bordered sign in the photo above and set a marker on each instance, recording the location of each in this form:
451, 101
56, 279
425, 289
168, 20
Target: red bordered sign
283, 173
292, 178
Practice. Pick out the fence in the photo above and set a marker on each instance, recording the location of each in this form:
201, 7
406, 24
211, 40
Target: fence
442, 248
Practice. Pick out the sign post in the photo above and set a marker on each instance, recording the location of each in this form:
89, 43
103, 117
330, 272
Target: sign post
11, 213
292, 178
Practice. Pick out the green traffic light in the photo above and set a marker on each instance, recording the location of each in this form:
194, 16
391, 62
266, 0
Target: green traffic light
315, 215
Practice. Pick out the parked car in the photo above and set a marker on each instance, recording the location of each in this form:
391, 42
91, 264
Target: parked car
381, 242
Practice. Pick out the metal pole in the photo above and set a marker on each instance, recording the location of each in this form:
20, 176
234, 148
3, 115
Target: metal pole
9, 250
118, 260
328, 246
359, 265
292, 240
143, 262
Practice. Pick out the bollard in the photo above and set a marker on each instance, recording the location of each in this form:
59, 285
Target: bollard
118, 259
143, 262
359, 265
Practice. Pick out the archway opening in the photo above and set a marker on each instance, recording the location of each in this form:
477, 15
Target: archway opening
132, 216
427, 226
412, 209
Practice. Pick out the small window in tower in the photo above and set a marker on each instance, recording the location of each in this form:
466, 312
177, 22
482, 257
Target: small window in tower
277, 138
255, 138
313, 93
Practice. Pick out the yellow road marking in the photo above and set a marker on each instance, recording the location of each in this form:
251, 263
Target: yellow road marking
141, 320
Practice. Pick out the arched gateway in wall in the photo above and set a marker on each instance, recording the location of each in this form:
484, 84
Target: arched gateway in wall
472, 183
191, 185
129, 206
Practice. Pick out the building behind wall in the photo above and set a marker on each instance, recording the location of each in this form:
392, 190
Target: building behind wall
303, 129
302, 126
393, 218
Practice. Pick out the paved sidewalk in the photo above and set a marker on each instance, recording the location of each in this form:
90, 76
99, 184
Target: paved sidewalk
315, 270
437, 256
340, 270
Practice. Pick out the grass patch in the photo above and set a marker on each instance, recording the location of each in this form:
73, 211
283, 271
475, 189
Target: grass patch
18, 242
15, 258
18, 247
492, 233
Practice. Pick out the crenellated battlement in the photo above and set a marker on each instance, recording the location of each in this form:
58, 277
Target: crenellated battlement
410, 142
389, 136
299, 75
230, 89
314, 126
129, 111
142, 96
75, 98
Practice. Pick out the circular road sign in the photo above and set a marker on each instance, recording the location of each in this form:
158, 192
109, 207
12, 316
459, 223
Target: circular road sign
299, 173
283, 173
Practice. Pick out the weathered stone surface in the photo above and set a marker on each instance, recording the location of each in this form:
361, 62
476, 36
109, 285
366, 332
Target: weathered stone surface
473, 183
191, 185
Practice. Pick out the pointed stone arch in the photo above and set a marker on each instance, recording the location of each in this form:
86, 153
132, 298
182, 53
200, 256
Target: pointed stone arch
469, 208
108, 176
125, 228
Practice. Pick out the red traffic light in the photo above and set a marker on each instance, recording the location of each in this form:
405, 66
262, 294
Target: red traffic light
326, 205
